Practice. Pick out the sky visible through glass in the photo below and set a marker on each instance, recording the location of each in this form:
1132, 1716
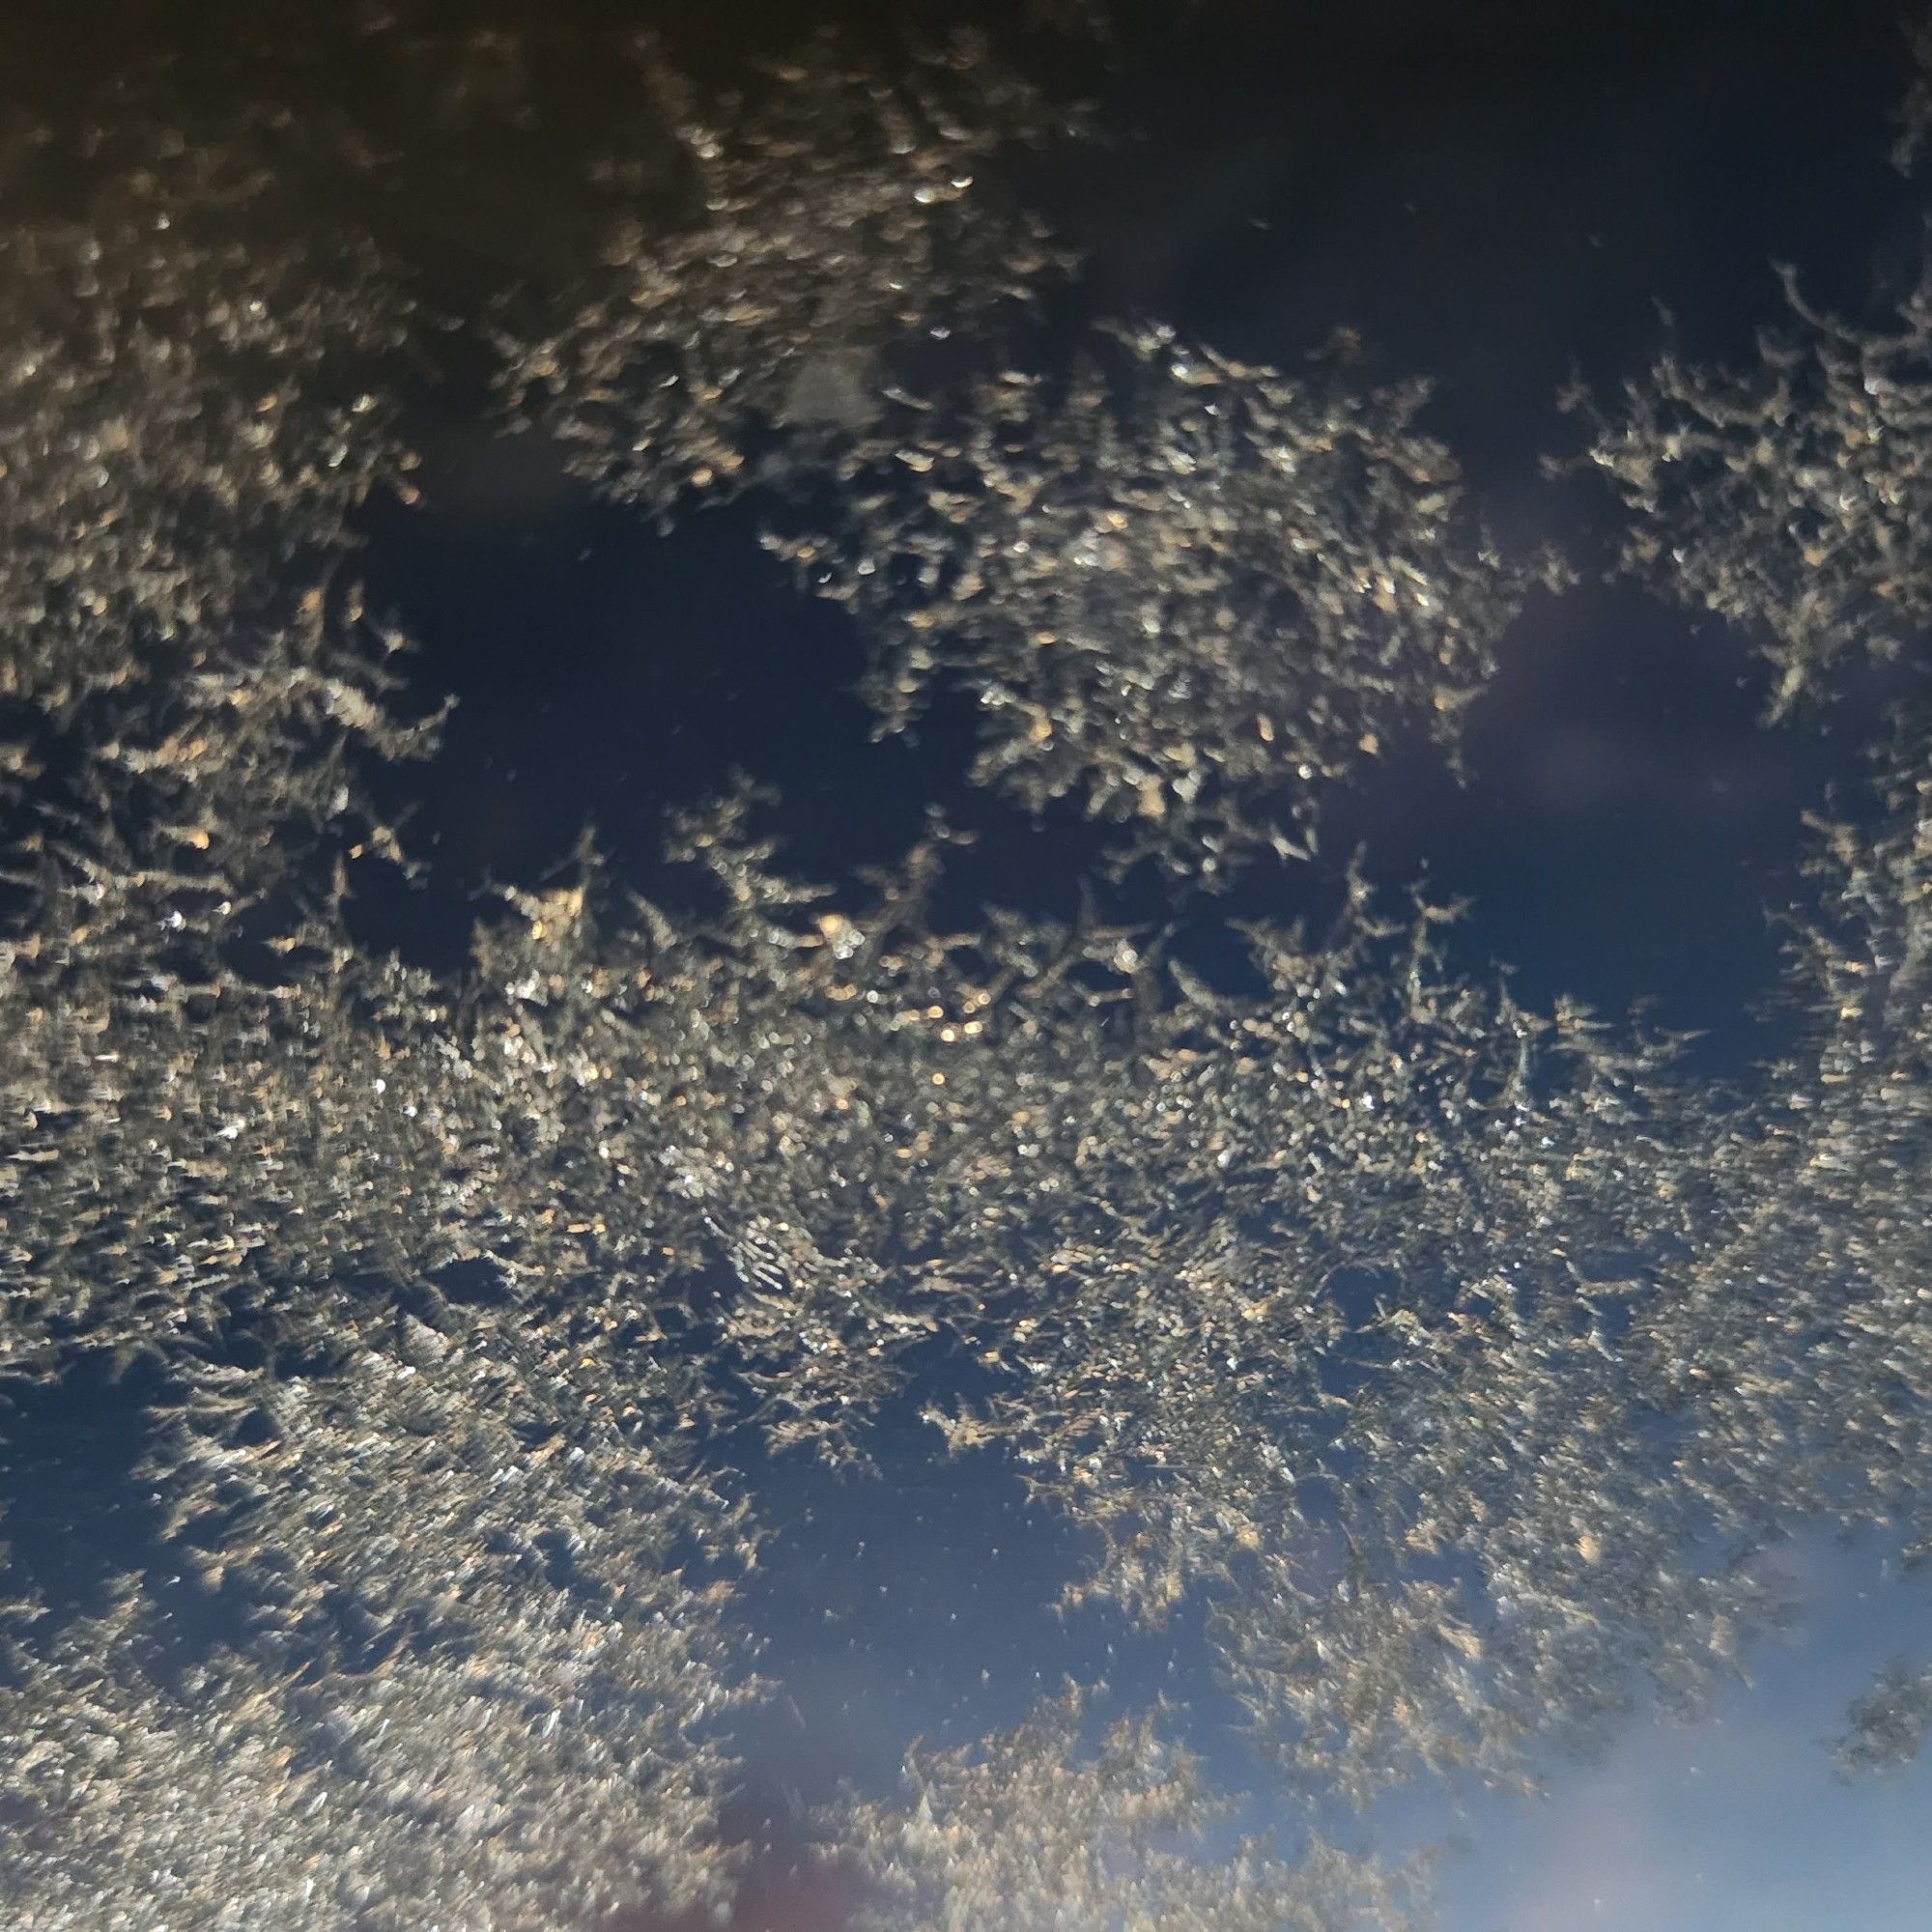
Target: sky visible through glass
965, 968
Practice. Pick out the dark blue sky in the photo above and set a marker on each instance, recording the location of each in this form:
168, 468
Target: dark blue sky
1493, 200
1492, 196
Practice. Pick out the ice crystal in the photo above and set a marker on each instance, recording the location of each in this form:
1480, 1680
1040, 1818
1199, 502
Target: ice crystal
181, 413
774, 260
1041, 1826
1460, 1357
1793, 497
1181, 590
1886, 1729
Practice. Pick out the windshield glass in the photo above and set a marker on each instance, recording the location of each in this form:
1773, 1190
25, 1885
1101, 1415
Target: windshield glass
965, 967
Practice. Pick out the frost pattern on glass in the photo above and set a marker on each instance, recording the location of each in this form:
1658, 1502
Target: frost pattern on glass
1181, 590
1912, 119
773, 265
1886, 1729
1462, 1358
477, 1680
1793, 497
180, 408
1056, 1824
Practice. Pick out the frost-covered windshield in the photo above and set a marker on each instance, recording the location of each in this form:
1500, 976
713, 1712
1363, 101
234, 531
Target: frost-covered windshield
965, 968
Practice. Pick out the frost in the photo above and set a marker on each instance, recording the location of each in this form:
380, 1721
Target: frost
178, 398
1038, 1827
1886, 1729
1458, 1358
764, 279
1793, 497
1179, 589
